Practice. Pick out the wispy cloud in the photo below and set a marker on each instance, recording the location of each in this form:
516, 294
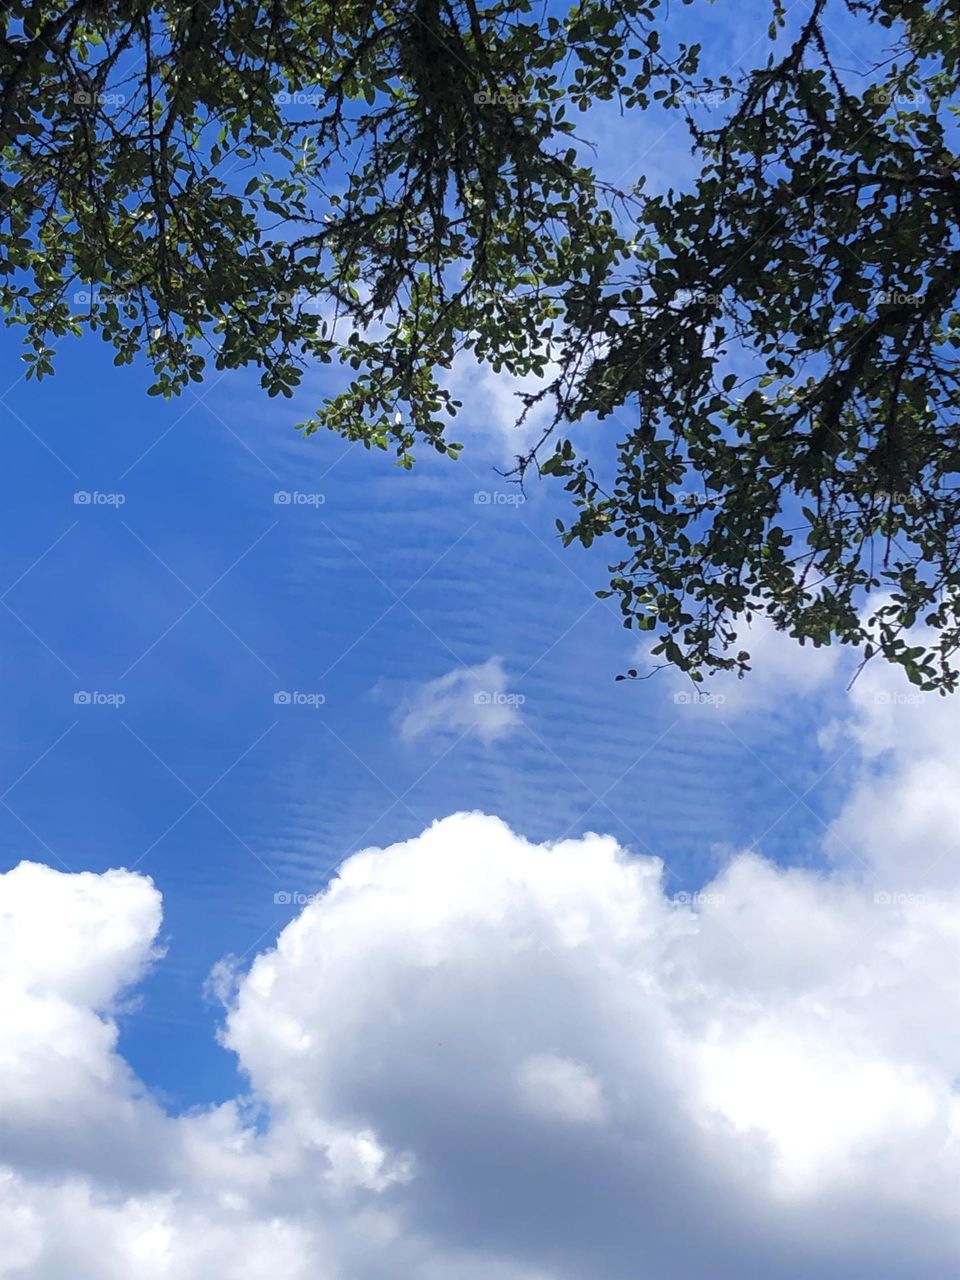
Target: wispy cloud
473, 700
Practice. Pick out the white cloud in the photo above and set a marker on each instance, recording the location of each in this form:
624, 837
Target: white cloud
81, 938
561, 1089
782, 673
476, 1058
69, 945
473, 700
492, 406
903, 813
491, 401
900, 821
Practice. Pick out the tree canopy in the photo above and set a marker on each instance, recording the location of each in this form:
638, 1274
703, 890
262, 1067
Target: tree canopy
773, 343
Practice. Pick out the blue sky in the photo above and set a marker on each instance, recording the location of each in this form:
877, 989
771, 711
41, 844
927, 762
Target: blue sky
200, 597
392, 581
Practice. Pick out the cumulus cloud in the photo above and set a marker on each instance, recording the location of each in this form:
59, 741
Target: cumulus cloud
69, 945
479, 1058
902, 816
782, 674
475, 700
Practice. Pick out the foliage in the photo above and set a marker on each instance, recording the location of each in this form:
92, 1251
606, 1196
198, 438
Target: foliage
390, 185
